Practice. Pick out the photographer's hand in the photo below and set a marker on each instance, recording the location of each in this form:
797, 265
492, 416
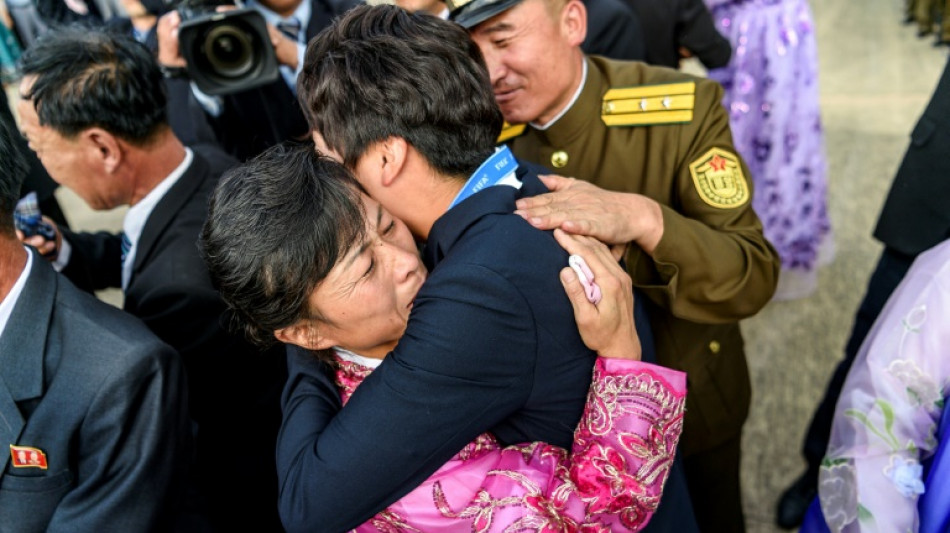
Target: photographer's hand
286, 49
169, 54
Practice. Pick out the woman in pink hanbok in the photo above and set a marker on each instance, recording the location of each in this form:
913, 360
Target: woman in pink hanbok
611, 479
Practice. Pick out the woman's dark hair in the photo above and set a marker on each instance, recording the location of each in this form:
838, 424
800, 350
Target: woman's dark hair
88, 77
382, 72
276, 227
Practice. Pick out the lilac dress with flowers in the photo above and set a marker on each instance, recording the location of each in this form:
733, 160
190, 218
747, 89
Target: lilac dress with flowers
891, 421
771, 87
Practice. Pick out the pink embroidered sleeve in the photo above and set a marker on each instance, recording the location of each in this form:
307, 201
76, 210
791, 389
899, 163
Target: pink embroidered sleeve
626, 441
611, 482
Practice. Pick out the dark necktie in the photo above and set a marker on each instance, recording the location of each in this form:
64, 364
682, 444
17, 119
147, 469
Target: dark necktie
290, 28
126, 246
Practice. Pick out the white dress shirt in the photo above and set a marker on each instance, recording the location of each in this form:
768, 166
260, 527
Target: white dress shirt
138, 214
9, 301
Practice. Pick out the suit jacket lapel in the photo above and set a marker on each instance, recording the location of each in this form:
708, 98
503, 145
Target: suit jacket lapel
23, 346
166, 210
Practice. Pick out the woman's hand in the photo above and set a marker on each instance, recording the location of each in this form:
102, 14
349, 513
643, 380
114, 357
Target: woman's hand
607, 327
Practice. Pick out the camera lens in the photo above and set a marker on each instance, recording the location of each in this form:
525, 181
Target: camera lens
229, 50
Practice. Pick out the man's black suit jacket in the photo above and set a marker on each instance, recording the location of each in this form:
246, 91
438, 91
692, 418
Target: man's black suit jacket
671, 24
104, 399
916, 213
614, 31
491, 344
234, 387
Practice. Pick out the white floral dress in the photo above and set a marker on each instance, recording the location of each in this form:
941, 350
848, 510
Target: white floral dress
887, 416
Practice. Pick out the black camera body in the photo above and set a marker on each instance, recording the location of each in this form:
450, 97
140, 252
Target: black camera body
227, 51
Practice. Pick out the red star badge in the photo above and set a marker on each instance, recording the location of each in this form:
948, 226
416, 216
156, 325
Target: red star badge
717, 163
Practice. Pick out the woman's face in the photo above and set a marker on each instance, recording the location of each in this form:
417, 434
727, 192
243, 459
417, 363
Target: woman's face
365, 300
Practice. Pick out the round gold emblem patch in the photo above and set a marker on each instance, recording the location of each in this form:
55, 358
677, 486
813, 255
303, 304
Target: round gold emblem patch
719, 179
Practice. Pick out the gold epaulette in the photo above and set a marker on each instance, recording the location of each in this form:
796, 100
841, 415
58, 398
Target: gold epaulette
510, 131
649, 104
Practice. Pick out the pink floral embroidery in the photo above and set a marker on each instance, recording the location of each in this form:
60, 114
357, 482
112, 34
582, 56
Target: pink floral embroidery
390, 522
349, 375
612, 480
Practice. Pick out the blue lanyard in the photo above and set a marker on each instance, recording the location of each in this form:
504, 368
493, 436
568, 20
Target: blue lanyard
493, 170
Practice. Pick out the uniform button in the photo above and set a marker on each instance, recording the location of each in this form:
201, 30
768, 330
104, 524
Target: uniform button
714, 347
559, 159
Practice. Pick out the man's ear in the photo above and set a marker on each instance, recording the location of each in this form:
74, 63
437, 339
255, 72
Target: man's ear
574, 22
104, 147
304, 333
393, 152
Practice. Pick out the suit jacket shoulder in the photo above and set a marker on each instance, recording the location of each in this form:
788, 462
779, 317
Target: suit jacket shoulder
88, 380
613, 30
324, 11
916, 212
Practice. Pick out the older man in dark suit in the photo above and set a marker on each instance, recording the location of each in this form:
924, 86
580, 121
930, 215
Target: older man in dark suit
92, 108
92, 405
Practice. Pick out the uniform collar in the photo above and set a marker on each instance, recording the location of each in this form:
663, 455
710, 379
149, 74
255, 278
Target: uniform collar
577, 93
575, 122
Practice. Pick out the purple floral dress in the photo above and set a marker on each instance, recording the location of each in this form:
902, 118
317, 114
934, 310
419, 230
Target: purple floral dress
771, 87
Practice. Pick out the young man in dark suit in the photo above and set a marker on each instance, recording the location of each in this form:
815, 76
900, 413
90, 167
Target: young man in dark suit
92, 405
405, 102
93, 109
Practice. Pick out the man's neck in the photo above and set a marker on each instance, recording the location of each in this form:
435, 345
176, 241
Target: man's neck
437, 9
423, 194
12, 262
153, 163
283, 11
444, 189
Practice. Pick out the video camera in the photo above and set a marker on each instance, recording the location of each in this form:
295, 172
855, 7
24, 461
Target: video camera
226, 52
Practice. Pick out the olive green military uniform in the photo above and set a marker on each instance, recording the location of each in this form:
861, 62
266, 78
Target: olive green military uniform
669, 140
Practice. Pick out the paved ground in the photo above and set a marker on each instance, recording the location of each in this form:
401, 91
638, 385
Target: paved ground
876, 78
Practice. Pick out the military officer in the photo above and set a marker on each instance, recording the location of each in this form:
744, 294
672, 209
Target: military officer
656, 148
